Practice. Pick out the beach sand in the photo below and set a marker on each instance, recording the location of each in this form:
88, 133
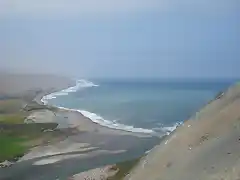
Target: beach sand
85, 134
206, 147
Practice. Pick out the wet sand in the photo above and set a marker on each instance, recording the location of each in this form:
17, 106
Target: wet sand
206, 147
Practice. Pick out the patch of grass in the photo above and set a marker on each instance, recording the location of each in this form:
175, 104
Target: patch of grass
16, 139
124, 168
12, 118
11, 147
15, 136
27, 130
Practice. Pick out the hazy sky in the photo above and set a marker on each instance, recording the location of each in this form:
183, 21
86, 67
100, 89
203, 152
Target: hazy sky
121, 38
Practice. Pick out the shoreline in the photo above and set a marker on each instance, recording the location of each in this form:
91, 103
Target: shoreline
90, 123
90, 145
85, 124
83, 142
137, 131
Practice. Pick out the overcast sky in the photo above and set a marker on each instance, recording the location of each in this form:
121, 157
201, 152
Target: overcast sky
121, 38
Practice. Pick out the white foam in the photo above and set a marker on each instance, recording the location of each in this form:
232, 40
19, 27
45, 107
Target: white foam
80, 84
107, 123
114, 125
170, 129
147, 152
111, 124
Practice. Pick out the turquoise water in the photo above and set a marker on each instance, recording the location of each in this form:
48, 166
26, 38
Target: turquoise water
141, 105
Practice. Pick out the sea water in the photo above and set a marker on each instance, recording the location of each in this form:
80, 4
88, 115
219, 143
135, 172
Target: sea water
147, 106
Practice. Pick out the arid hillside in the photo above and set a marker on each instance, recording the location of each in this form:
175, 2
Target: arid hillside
12, 84
205, 147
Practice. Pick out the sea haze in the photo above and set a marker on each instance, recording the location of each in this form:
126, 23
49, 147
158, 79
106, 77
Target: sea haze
148, 106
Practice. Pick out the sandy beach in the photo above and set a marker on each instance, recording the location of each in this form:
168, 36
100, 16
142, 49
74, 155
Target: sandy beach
205, 147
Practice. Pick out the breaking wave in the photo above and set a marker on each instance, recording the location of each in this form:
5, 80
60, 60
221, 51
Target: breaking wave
80, 84
114, 125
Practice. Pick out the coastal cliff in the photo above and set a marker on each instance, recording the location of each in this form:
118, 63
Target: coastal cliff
206, 147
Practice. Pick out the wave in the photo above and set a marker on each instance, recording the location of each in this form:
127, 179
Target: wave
113, 124
110, 124
80, 84
167, 129
172, 128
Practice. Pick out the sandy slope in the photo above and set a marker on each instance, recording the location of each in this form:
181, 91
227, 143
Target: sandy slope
206, 147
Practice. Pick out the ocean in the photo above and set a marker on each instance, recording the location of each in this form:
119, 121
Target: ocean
147, 106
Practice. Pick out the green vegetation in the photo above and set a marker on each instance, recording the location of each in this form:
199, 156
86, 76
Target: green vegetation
11, 147
16, 137
30, 130
12, 118
124, 168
